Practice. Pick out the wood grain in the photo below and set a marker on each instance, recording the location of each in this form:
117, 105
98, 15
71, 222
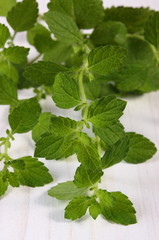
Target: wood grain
30, 214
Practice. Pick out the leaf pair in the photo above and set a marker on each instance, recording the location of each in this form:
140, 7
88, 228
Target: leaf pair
114, 206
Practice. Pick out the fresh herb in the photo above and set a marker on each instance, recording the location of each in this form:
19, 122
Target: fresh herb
85, 70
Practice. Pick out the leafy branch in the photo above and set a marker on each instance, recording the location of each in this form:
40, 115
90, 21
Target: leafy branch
85, 71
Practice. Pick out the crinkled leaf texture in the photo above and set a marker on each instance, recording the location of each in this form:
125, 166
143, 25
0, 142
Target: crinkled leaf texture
23, 15
116, 207
25, 116
106, 59
30, 172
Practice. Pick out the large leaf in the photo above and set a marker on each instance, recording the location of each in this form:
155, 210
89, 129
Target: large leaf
25, 116
116, 207
105, 111
66, 91
63, 27
107, 59
23, 16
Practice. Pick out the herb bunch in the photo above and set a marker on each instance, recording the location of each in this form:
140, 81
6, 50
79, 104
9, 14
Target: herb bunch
84, 70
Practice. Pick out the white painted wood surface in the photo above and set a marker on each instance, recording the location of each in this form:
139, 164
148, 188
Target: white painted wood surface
30, 214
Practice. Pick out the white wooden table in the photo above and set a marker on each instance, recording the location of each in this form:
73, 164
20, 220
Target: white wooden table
30, 214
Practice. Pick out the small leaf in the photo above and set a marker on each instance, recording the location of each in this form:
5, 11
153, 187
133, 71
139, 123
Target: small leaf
77, 207
25, 116
107, 59
65, 91
66, 191
152, 30
94, 210
116, 153
23, 16
140, 148
5, 6
4, 34
43, 73
116, 207
105, 111
8, 91
42, 126
34, 173
16, 54
63, 27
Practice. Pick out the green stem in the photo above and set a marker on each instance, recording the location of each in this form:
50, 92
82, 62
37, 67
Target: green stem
81, 86
35, 59
99, 145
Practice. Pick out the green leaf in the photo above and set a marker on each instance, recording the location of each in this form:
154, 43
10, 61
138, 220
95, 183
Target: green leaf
25, 116
94, 210
9, 71
152, 30
77, 207
61, 126
66, 191
65, 91
23, 16
58, 52
105, 111
132, 77
8, 91
90, 170
152, 81
38, 29
42, 43
4, 34
86, 177
5, 6
40, 38
140, 148
13, 179
3, 184
110, 134
63, 27
88, 13
59, 141
140, 60
107, 59
139, 50
116, 207
42, 126
109, 33
133, 18
62, 6
116, 153
43, 73
16, 54
33, 174
50, 146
